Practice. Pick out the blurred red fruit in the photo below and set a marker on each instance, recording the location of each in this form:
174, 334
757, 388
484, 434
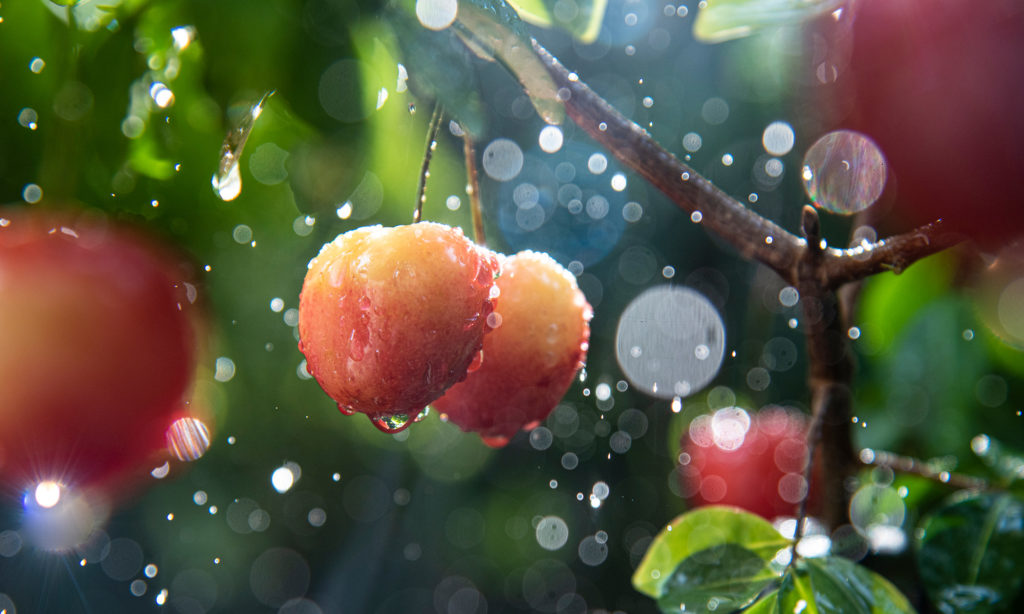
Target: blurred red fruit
390, 318
97, 353
752, 462
541, 330
937, 85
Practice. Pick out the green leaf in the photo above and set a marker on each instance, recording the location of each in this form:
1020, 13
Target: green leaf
440, 68
836, 585
769, 604
890, 302
495, 30
1005, 462
970, 553
723, 20
724, 578
700, 531
585, 23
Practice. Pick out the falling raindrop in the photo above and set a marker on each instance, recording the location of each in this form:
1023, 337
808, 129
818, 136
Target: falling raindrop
778, 138
227, 181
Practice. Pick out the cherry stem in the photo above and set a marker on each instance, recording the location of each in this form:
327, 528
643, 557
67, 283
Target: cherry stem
421, 190
473, 189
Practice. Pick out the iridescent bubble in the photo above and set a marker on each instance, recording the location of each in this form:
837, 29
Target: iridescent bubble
670, 342
188, 438
844, 172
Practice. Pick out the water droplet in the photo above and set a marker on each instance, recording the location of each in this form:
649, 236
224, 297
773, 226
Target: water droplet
391, 424
227, 181
436, 14
658, 339
495, 441
778, 138
478, 360
502, 159
550, 139
844, 172
348, 411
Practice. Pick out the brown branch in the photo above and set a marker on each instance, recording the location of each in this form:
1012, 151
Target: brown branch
913, 466
752, 235
806, 263
893, 254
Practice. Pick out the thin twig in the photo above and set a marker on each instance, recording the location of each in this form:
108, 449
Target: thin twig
421, 190
473, 189
913, 466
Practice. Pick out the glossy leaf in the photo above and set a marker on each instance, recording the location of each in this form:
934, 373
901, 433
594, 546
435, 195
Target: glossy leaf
584, 25
440, 67
723, 20
720, 578
493, 30
698, 534
836, 585
970, 553
1005, 462
769, 604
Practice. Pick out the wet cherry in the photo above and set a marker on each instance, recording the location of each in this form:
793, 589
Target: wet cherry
541, 330
930, 83
99, 342
390, 318
752, 462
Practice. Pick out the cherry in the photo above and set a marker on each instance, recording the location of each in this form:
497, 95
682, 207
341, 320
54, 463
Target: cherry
541, 331
752, 462
390, 318
98, 353
934, 84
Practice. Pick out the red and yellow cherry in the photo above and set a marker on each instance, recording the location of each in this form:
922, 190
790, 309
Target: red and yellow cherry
752, 462
936, 85
97, 355
541, 331
390, 318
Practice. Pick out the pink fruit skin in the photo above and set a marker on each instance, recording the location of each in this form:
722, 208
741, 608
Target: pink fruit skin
937, 84
751, 476
98, 350
390, 318
529, 360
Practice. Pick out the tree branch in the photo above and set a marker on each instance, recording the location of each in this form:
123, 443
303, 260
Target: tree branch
913, 466
893, 254
752, 235
816, 270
